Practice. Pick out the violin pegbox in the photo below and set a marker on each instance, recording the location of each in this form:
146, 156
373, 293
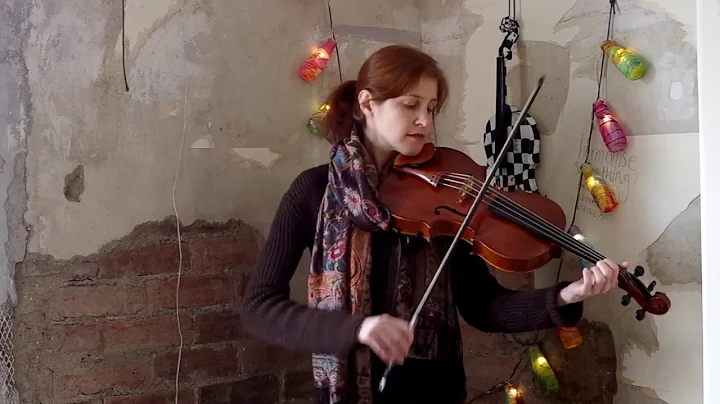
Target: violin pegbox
657, 303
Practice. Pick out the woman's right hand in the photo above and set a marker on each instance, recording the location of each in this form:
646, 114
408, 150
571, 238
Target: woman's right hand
389, 337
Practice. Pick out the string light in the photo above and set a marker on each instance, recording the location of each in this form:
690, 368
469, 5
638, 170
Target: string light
315, 121
316, 62
612, 133
575, 232
601, 192
629, 63
512, 394
571, 337
544, 375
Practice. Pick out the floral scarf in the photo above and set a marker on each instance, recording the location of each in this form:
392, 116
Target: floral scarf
341, 260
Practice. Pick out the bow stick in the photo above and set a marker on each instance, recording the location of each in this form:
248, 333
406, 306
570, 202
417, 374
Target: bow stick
468, 217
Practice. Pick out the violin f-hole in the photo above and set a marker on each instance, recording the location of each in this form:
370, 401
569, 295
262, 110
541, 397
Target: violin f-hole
453, 210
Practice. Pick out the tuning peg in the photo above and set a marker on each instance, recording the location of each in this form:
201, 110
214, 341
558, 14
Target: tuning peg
640, 314
639, 271
625, 300
651, 286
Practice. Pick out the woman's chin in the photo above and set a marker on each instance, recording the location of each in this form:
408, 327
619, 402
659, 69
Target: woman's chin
413, 147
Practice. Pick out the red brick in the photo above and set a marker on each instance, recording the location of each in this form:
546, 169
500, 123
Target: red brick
145, 333
184, 397
195, 291
488, 357
198, 364
75, 337
97, 300
263, 389
111, 374
218, 327
151, 259
257, 356
299, 385
232, 252
43, 265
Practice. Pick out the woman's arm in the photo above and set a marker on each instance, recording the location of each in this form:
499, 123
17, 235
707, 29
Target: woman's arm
268, 312
490, 307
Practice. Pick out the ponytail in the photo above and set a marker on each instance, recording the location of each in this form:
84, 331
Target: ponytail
343, 114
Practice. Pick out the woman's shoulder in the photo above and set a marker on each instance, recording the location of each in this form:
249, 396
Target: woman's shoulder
307, 189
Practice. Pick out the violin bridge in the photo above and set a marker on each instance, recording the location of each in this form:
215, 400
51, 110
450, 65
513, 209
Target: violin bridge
466, 189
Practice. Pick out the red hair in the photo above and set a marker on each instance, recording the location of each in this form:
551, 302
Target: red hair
388, 73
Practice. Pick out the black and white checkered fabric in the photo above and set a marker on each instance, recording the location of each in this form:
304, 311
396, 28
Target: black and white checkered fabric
522, 158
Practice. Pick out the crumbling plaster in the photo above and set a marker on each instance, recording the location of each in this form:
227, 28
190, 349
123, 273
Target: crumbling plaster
16, 121
215, 77
657, 225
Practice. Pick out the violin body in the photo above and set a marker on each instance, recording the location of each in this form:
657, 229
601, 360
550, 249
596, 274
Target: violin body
431, 194
442, 205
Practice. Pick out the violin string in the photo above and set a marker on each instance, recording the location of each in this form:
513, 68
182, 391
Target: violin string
540, 225
554, 230
545, 228
570, 244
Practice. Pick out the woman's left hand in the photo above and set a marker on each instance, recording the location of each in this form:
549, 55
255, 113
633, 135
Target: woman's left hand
595, 281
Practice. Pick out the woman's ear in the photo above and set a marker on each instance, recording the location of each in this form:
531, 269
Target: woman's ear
364, 100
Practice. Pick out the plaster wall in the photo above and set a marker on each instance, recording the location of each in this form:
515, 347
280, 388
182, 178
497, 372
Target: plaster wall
658, 222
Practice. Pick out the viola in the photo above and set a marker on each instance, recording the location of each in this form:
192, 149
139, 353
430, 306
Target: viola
513, 231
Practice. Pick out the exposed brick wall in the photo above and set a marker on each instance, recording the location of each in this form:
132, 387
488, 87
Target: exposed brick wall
103, 329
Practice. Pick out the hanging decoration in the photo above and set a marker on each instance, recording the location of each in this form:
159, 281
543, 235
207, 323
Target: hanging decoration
511, 394
571, 337
316, 62
612, 133
315, 121
629, 63
544, 375
601, 192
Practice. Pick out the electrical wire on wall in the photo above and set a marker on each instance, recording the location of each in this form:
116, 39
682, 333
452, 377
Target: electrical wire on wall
122, 41
177, 216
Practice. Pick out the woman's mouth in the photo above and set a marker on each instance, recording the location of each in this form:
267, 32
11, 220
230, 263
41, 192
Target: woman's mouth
416, 135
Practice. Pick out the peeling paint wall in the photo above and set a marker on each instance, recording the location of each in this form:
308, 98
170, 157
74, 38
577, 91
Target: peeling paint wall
657, 225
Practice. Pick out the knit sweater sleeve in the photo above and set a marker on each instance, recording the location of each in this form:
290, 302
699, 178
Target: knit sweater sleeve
488, 306
267, 310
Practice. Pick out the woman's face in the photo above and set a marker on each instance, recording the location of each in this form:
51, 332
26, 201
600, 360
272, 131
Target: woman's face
401, 124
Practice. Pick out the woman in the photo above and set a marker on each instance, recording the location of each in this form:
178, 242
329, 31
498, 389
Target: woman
365, 280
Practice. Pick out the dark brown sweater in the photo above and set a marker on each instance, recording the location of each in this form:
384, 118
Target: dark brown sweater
269, 314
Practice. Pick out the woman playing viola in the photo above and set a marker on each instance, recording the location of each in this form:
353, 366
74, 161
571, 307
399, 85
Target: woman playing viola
365, 280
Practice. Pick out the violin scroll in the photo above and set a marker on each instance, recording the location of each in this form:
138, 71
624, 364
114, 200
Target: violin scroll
657, 303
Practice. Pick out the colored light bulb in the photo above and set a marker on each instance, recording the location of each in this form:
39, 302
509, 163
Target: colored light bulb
317, 61
544, 375
601, 192
315, 121
575, 232
511, 395
570, 337
612, 133
629, 63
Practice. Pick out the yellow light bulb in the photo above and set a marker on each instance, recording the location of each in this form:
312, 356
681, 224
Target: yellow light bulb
512, 391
